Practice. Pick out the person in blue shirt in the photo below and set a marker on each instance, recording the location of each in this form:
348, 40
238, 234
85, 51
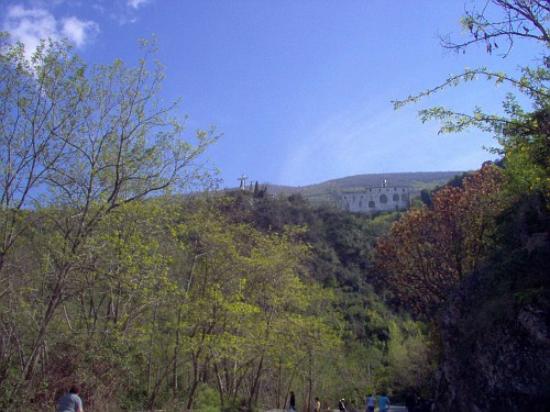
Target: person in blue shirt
384, 403
370, 402
70, 402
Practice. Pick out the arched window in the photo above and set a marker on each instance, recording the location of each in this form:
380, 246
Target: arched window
383, 198
371, 204
396, 198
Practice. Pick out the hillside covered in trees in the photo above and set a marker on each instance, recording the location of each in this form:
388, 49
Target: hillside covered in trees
148, 300
328, 192
113, 277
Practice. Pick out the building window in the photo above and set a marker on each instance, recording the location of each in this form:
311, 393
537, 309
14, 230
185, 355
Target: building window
396, 198
383, 198
371, 204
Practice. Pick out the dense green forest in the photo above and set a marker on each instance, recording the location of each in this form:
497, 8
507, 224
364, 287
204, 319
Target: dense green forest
115, 278
148, 299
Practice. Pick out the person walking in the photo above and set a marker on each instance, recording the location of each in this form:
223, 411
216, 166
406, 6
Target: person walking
342, 405
370, 403
411, 401
70, 402
292, 402
384, 403
317, 407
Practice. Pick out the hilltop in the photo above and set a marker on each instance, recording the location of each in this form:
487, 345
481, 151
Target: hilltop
326, 191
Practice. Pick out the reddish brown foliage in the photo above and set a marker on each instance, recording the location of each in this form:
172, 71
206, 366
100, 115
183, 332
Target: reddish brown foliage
429, 250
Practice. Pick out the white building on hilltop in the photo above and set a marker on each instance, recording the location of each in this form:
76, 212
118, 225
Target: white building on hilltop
375, 199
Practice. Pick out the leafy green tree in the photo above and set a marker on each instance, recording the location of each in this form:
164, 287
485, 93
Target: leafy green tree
411, 364
518, 250
247, 308
518, 20
80, 141
38, 99
521, 133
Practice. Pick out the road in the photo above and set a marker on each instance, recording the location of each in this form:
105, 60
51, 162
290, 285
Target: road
395, 408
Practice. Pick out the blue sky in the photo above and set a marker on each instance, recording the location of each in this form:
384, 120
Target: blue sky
300, 89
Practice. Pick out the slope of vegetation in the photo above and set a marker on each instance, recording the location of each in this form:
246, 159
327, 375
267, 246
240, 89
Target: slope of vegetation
475, 258
147, 299
329, 191
205, 304
150, 300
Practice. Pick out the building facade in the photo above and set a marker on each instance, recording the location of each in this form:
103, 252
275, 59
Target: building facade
375, 199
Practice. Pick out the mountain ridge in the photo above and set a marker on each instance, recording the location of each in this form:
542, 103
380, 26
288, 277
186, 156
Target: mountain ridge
328, 191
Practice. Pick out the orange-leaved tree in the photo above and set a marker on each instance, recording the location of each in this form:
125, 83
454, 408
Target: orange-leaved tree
430, 249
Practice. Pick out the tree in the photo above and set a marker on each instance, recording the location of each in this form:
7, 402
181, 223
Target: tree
77, 143
523, 133
246, 313
410, 365
38, 99
519, 19
469, 334
430, 250
511, 20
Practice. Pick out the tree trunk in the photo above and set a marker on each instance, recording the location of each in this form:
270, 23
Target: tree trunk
255, 383
176, 355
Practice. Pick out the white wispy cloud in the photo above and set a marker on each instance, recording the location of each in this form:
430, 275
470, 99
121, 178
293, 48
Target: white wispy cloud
77, 30
126, 11
136, 4
31, 25
368, 139
346, 143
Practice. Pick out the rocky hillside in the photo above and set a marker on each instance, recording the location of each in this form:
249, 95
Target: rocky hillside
495, 332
